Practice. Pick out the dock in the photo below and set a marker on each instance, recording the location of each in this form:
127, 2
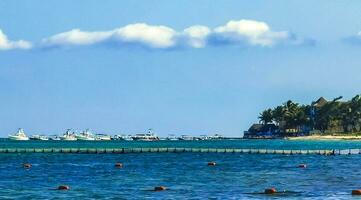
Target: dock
178, 150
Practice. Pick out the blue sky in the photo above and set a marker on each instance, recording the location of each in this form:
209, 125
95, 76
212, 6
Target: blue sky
132, 65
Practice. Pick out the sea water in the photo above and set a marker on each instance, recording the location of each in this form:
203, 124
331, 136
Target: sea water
187, 175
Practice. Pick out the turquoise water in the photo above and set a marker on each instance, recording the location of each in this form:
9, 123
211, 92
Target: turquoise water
242, 144
236, 176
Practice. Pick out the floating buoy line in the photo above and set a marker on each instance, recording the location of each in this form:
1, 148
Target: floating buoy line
177, 150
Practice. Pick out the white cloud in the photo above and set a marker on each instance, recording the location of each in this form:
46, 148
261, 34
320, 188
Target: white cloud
147, 35
196, 36
6, 44
250, 31
152, 36
76, 37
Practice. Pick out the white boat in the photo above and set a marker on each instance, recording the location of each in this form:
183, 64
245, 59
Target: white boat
122, 137
150, 136
171, 137
85, 135
102, 137
20, 135
54, 137
186, 137
68, 136
204, 137
39, 137
216, 137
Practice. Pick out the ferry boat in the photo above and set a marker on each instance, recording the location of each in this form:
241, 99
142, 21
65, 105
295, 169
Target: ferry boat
102, 137
39, 137
85, 135
149, 136
20, 135
68, 136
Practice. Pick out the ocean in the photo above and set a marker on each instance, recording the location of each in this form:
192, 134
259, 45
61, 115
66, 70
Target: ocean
186, 175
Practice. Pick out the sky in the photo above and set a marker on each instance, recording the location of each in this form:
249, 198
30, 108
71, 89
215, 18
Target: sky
178, 67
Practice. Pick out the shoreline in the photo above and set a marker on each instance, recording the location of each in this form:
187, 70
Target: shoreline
325, 137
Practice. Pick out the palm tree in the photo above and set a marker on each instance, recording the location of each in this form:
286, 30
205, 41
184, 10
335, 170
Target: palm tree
266, 116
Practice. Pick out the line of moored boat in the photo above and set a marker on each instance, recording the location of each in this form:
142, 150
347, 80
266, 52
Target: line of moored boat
87, 135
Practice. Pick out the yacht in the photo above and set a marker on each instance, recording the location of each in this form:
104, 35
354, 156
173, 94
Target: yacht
68, 136
122, 137
85, 135
171, 137
39, 137
102, 137
20, 135
216, 137
204, 137
149, 136
186, 137
54, 137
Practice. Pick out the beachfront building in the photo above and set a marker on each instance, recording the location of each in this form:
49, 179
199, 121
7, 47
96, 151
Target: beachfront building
262, 131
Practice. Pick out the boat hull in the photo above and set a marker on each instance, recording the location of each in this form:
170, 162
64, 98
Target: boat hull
18, 138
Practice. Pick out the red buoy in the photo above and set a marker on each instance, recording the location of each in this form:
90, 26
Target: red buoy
270, 191
26, 165
63, 187
160, 188
302, 165
212, 164
356, 192
118, 165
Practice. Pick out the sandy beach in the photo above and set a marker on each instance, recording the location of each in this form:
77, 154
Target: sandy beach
326, 137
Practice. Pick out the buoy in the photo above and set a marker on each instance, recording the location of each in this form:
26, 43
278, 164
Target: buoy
212, 164
118, 165
302, 165
63, 187
270, 191
26, 165
356, 192
160, 188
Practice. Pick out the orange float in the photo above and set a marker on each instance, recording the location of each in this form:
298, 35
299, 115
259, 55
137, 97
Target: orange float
63, 187
118, 165
356, 192
160, 188
270, 191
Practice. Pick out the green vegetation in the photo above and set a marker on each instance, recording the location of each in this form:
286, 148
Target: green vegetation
336, 116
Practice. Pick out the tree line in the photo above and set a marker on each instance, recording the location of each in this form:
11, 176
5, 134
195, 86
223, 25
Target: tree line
335, 115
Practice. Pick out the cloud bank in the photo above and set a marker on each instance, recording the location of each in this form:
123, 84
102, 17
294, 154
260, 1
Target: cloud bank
6, 44
241, 32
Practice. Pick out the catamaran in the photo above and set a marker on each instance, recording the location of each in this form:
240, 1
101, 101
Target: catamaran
20, 135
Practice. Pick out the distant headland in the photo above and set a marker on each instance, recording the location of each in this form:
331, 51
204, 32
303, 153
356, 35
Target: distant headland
322, 119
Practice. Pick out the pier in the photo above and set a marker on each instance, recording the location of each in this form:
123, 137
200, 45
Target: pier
178, 150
